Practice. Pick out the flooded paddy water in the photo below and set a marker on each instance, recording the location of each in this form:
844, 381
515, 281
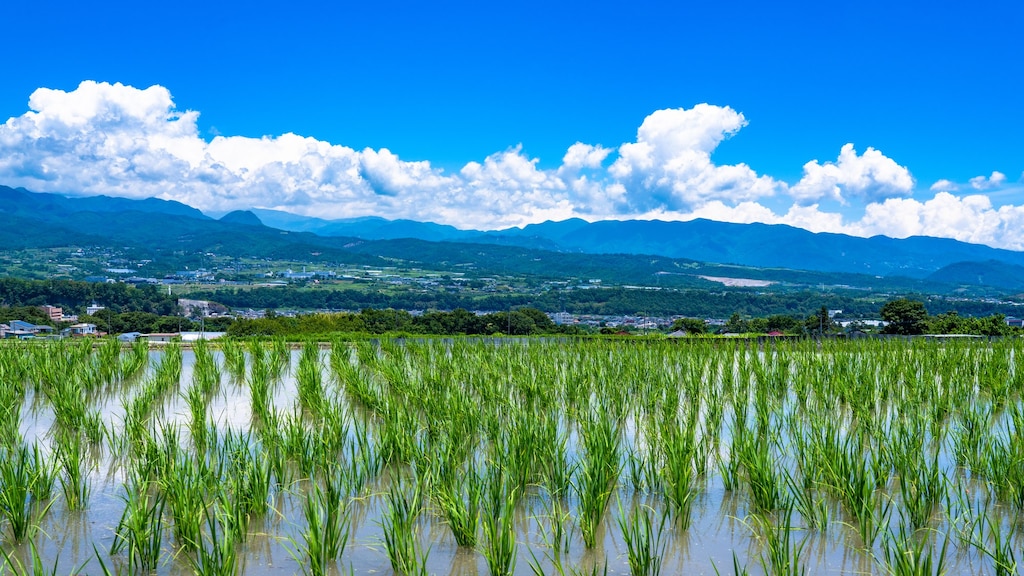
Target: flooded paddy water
513, 457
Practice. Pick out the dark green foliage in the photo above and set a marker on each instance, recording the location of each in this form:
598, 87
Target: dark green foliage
905, 316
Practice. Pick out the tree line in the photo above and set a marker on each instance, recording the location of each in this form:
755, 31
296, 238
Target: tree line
519, 322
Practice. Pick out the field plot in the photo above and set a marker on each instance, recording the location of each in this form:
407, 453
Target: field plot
513, 457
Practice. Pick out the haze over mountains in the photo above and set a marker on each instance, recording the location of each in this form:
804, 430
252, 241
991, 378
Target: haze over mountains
30, 219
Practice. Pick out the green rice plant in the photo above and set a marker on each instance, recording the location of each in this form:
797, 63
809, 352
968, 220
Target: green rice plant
401, 540
75, 480
140, 530
679, 475
18, 478
184, 485
459, 498
44, 474
764, 478
234, 358
216, 554
645, 545
814, 511
781, 554
498, 519
309, 379
987, 534
904, 554
555, 534
328, 521
597, 474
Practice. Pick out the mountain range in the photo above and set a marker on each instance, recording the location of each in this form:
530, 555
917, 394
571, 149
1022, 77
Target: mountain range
636, 248
758, 245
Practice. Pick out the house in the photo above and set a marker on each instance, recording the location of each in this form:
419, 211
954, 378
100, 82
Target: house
160, 337
22, 326
82, 330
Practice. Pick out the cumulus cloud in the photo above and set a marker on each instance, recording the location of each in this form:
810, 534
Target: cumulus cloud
123, 141
868, 177
996, 180
114, 139
669, 166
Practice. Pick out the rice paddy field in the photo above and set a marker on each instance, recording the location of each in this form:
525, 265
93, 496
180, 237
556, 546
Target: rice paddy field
512, 457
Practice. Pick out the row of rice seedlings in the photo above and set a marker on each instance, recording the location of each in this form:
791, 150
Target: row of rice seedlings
75, 466
260, 383
400, 523
26, 483
140, 532
13, 375
328, 522
309, 380
138, 409
597, 474
234, 358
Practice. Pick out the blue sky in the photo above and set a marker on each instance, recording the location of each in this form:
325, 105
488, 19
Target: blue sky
493, 96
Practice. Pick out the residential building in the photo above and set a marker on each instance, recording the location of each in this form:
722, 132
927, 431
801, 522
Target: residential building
83, 329
55, 313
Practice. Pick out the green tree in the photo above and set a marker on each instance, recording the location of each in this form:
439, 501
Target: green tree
819, 323
904, 316
735, 324
690, 325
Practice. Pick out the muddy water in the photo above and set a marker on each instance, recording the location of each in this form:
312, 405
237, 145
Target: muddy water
721, 527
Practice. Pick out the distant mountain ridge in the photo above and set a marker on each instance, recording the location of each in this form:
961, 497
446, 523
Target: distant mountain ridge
760, 245
37, 219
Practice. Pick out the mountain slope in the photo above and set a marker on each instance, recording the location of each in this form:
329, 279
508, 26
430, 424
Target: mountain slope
760, 245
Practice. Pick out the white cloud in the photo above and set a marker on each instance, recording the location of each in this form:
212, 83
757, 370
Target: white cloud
669, 166
123, 141
870, 177
996, 180
582, 155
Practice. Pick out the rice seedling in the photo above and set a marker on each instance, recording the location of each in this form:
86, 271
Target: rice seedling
459, 497
905, 554
499, 545
139, 533
781, 555
328, 521
401, 538
216, 554
645, 544
597, 474
20, 487
74, 481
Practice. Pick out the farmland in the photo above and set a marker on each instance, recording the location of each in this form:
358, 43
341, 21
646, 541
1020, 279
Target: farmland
502, 456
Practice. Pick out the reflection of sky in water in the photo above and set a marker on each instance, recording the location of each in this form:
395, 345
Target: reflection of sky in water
721, 519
